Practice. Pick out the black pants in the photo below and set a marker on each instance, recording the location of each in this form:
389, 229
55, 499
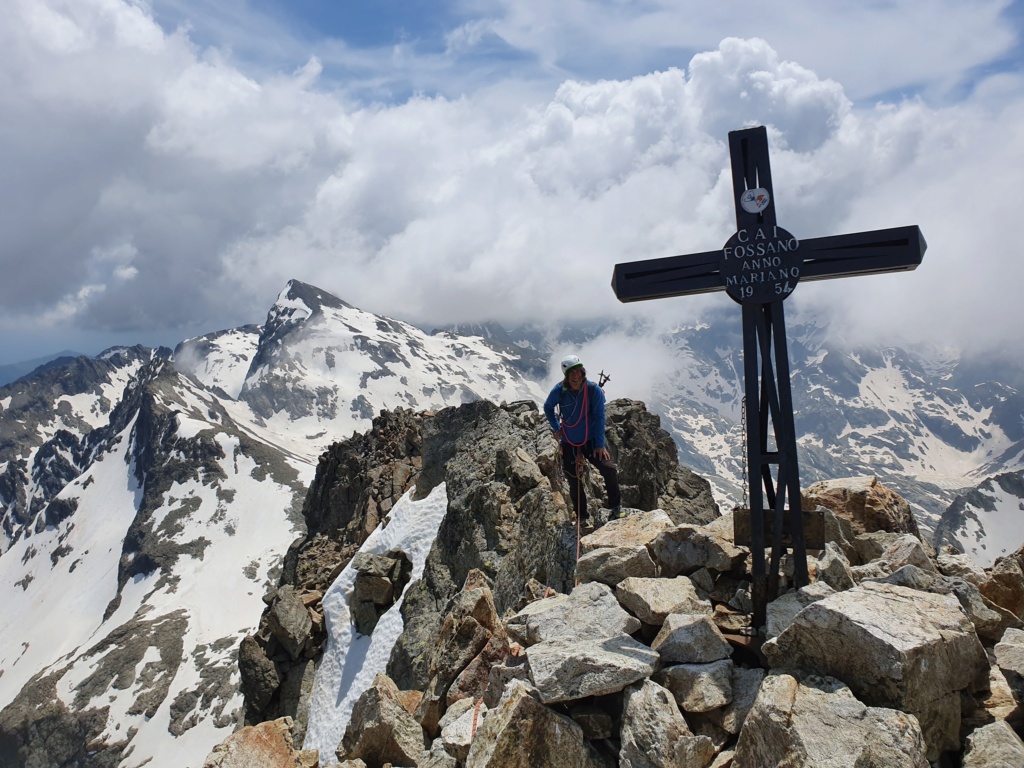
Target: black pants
576, 491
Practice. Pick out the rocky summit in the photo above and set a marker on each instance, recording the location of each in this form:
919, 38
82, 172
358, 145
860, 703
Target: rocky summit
426, 596
527, 642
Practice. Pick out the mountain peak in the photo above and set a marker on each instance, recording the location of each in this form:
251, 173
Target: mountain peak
298, 296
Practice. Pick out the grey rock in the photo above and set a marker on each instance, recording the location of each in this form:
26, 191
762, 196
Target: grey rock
687, 638
781, 611
688, 548
651, 600
289, 621
834, 568
610, 565
570, 669
650, 476
654, 733
958, 564
989, 621
437, 757
870, 546
523, 733
380, 730
746, 684
995, 745
596, 722
260, 680
589, 612
457, 732
893, 647
1009, 653
698, 687
818, 723
637, 530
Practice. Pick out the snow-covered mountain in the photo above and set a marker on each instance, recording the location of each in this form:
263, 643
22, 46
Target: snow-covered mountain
147, 498
987, 521
924, 421
148, 501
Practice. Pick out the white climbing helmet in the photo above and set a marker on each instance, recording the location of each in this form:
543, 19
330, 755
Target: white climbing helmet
570, 361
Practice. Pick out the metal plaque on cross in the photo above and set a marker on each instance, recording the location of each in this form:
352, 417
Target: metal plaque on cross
759, 267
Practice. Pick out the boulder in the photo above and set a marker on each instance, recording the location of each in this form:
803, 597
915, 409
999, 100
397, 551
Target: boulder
436, 757
650, 476
870, 546
500, 675
654, 733
994, 746
566, 669
834, 568
638, 530
997, 702
818, 723
459, 726
518, 469
959, 564
289, 621
894, 647
745, 686
610, 565
266, 745
380, 730
379, 582
840, 532
523, 733
906, 550
472, 639
651, 600
687, 638
688, 548
1004, 584
990, 623
260, 680
698, 687
782, 610
589, 611
1009, 653
865, 502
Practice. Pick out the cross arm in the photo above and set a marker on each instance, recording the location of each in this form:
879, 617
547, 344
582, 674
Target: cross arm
670, 276
862, 253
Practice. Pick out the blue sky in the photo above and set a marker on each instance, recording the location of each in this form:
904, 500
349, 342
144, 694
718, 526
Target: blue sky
170, 164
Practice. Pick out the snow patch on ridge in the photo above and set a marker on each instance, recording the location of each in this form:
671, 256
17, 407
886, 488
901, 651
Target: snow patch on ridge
351, 661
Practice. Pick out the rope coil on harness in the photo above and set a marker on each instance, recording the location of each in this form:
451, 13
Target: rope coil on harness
582, 417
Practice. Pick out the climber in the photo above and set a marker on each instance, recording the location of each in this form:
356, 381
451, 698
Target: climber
580, 429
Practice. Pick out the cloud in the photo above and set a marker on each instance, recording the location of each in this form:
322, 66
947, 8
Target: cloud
153, 186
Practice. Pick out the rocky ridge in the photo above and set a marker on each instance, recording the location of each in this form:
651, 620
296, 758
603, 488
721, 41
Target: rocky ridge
912, 656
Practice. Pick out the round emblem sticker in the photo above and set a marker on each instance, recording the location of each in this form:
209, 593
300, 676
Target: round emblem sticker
755, 200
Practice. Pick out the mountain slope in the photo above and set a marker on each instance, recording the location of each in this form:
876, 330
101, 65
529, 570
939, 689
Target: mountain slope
887, 411
148, 509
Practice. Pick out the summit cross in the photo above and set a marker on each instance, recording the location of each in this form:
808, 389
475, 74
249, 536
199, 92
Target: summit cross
759, 267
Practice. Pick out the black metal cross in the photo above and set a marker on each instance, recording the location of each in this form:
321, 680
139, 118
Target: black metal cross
759, 267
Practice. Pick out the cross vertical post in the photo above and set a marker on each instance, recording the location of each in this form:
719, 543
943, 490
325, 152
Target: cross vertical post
766, 371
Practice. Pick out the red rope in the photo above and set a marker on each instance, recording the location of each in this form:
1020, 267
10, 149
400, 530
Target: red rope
579, 519
476, 714
583, 415
586, 423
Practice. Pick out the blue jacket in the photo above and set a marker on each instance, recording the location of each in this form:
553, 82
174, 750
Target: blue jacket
576, 426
